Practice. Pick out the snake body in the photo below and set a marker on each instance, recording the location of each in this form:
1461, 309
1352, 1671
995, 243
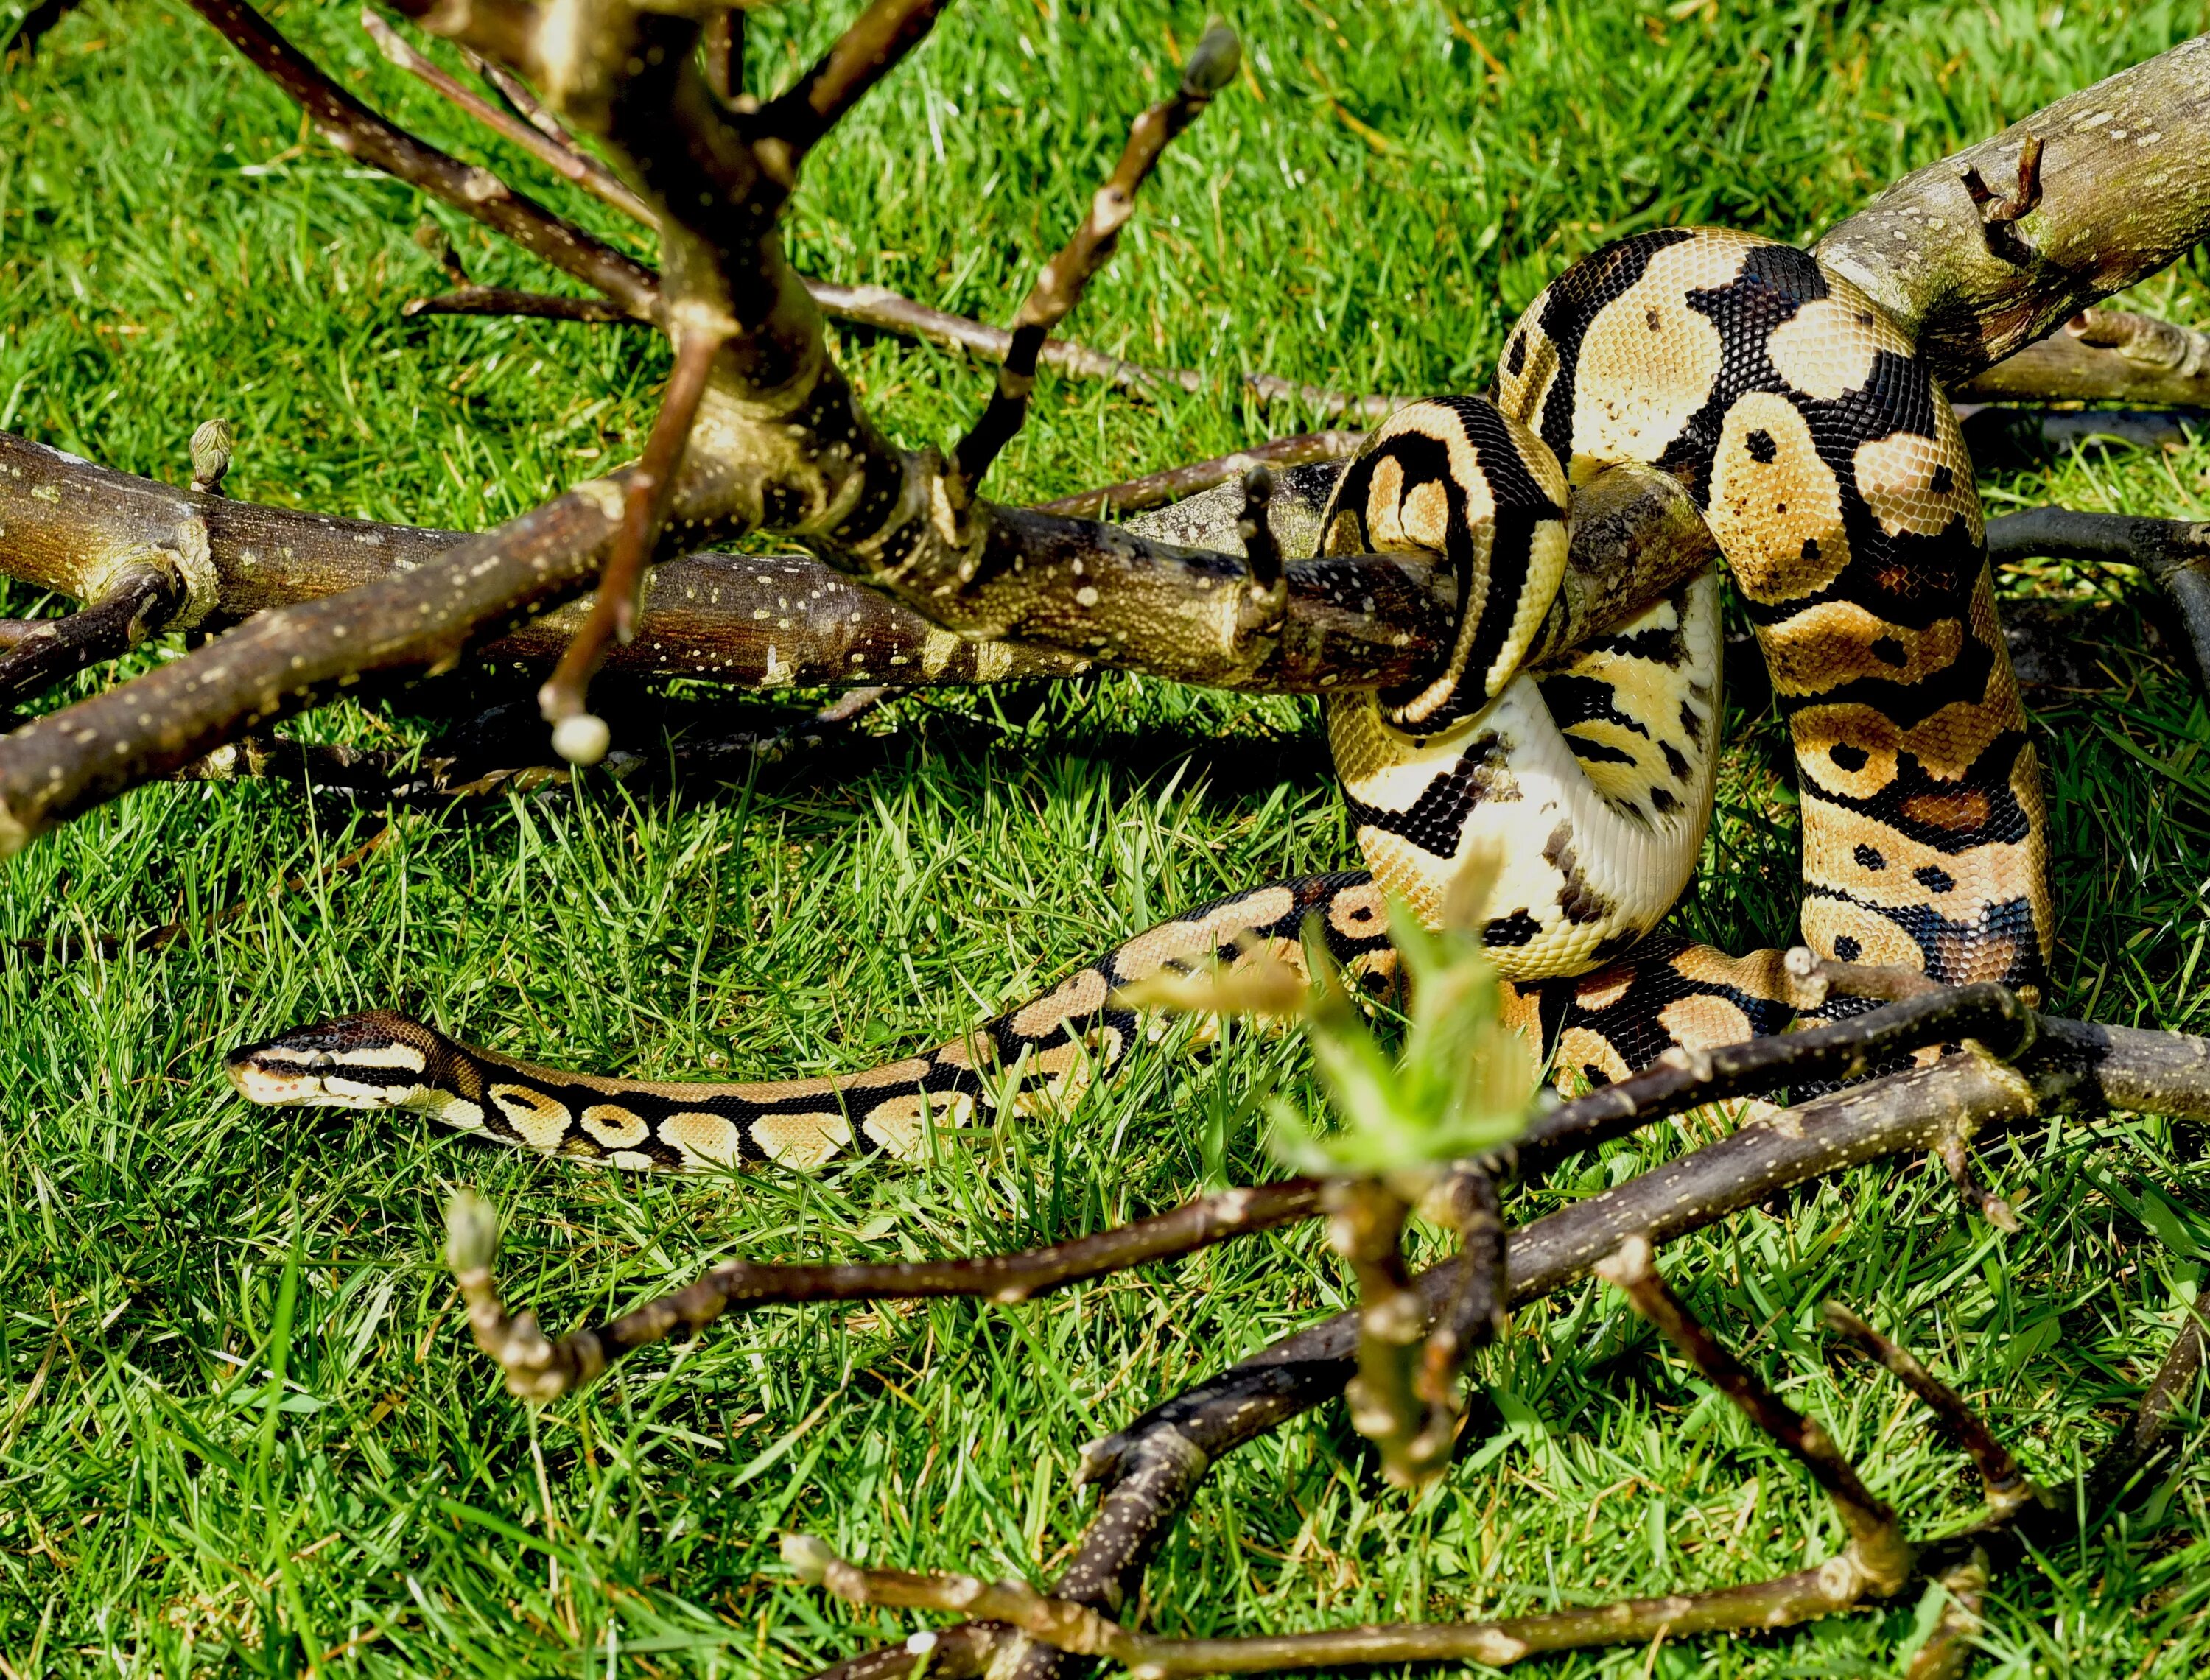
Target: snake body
1833, 473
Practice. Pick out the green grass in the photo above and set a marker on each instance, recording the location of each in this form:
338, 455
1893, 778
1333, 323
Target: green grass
241, 1426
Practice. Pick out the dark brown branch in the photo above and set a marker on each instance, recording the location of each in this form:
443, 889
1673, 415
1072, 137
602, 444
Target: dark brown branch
888, 312
2178, 1381
358, 132
1152, 1468
1876, 1548
283, 661
503, 300
141, 596
2102, 355
763, 623
596, 177
578, 737
571, 165
1474, 1315
2176, 552
722, 50
1059, 288
2004, 1484
1254, 530
540, 1370
1366, 1226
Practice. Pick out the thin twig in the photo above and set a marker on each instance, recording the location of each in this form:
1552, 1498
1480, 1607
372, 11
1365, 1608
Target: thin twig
359, 133
1366, 1225
1261, 553
577, 736
1876, 1544
1059, 288
501, 300
721, 49
2004, 1484
881, 37
1474, 1315
568, 162
1155, 488
2176, 1383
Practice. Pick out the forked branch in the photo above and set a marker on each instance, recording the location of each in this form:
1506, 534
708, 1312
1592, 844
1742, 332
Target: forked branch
1878, 1562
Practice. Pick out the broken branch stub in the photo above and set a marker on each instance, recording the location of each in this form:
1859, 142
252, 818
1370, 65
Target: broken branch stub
2135, 139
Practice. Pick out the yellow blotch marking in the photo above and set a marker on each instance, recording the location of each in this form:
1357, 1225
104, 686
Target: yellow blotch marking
541, 1121
629, 1160
1827, 349
801, 1140
1637, 385
392, 1055
1838, 642
1701, 1022
1081, 994
1775, 508
1202, 936
1579, 1048
616, 1127
1880, 942
1758, 974
448, 1110
1819, 731
1423, 516
1917, 484
1057, 1077
1520, 395
896, 1122
1358, 912
910, 1071
1521, 1007
704, 1138
1601, 990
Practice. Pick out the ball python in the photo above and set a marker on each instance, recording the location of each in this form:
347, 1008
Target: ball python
1833, 473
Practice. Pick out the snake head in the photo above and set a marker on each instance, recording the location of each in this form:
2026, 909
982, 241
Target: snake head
375, 1060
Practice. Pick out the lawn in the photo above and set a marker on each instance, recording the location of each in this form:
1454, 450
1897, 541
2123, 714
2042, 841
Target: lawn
241, 1426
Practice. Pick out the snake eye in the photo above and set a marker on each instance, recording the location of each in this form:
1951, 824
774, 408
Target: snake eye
321, 1062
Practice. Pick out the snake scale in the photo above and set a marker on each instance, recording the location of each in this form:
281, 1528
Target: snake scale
1831, 472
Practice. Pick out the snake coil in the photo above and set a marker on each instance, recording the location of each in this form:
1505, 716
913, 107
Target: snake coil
1833, 473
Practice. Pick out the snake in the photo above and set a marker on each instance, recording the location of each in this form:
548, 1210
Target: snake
1830, 470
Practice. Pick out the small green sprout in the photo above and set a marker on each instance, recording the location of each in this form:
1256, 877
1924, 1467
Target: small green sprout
1463, 1084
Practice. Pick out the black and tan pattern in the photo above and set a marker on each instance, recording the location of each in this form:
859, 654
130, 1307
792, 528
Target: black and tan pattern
1833, 473
1047, 1050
